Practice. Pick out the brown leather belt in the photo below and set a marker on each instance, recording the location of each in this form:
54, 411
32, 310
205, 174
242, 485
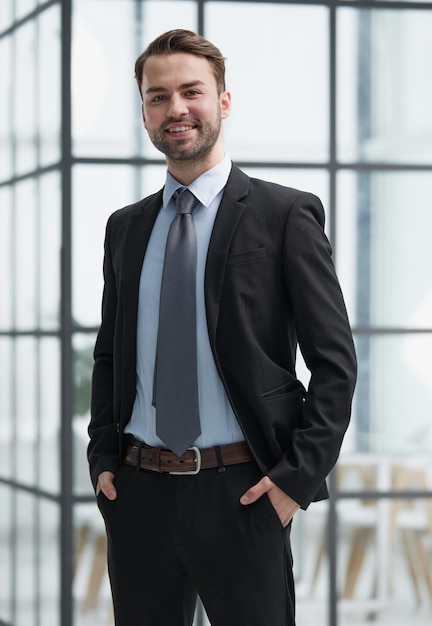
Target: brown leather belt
141, 456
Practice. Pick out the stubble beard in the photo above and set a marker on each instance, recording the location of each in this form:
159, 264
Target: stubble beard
182, 151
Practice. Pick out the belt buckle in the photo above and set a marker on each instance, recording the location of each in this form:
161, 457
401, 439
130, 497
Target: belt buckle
197, 461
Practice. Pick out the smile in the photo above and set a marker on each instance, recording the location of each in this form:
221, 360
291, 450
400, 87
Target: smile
179, 129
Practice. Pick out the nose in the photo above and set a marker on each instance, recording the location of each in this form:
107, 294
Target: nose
177, 106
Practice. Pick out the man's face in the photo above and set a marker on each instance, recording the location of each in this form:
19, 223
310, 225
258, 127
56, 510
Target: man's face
182, 110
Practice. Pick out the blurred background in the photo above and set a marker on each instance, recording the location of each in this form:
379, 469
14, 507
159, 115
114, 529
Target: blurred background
331, 96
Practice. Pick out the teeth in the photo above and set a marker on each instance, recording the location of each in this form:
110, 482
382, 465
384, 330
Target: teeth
179, 129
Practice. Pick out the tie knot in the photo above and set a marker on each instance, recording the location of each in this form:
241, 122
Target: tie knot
185, 201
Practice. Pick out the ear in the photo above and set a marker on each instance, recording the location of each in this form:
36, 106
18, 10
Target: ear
225, 102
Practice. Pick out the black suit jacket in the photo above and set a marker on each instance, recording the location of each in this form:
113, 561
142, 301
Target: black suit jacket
269, 284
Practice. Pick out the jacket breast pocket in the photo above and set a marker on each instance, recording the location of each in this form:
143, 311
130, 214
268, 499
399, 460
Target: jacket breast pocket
246, 256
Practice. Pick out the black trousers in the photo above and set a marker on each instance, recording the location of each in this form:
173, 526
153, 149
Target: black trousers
173, 537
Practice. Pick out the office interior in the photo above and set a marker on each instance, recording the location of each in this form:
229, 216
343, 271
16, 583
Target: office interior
330, 96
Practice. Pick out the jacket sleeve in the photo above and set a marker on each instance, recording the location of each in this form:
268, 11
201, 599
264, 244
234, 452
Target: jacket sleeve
103, 446
326, 344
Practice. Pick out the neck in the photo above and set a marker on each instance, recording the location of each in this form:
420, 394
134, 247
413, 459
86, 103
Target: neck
189, 170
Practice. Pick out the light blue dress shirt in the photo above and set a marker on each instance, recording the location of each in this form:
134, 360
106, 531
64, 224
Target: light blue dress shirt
218, 423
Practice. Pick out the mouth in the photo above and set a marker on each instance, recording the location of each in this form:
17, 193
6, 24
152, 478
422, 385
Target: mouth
179, 129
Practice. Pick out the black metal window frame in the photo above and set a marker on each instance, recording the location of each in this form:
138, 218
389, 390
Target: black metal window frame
66, 498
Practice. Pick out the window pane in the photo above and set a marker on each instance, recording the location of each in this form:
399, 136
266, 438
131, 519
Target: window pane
6, 15
23, 7
90, 567
6, 127
384, 97
393, 395
159, 16
150, 179
83, 367
25, 106
49, 564
25, 252
382, 546
6, 553
309, 546
7, 417
384, 248
33, 272
279, 83
48, 89
25, 378
97, 192
6, 281
26, 551
48, 415
103, 90
49, 247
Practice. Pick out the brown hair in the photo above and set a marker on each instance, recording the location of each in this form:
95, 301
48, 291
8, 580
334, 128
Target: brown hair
181, 40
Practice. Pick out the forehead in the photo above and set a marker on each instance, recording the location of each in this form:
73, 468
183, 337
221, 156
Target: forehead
172, 70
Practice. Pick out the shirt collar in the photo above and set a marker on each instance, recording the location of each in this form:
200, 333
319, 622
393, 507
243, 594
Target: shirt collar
206, 187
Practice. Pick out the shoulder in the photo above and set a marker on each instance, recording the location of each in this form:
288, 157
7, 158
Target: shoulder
125, 213
276, 198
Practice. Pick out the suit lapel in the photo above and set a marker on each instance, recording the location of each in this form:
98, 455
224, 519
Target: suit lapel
228, 216
137, 237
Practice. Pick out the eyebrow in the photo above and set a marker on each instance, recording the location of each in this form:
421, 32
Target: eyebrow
157, 89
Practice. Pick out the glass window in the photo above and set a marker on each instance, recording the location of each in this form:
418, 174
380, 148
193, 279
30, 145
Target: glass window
384, 99
7, 421
103, 90
48, 414
309, 546
91, 587
83, 355
6, 161
6, 553
382, 547
49, 249
6, 16
26, 555
393, 395
25, 254
23, 7
150, 179
48, 564
159, 16
98, 191
25, 377
36, 417
48, 90
280, 87
24, 100
385, 248
6, 251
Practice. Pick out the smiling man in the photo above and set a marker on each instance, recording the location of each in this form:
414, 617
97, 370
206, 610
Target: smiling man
203, 442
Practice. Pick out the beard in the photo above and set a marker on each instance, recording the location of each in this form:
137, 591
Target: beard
183, 150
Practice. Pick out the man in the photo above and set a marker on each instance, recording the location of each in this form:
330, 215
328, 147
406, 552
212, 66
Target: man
263, 445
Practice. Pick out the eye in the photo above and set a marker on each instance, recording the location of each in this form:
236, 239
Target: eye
192, 93
158, 98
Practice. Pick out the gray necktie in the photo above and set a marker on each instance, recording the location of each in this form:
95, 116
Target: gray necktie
176, 393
